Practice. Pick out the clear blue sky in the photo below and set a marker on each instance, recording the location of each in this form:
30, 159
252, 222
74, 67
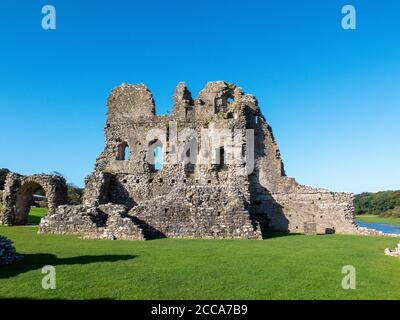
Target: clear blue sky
331, 96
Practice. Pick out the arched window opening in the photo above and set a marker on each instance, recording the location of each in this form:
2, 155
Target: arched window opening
190, 151
189, 113
123, 151
189, 155
224, 102
158, 158
220, 158
155, 155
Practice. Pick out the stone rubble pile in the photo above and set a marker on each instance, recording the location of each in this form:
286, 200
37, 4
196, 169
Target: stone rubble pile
372, 232
107, 221
393, 253
8, 253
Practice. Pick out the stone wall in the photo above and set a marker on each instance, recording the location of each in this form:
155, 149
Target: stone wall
18, 195
8, 253
208, 196
102, 222
198, 211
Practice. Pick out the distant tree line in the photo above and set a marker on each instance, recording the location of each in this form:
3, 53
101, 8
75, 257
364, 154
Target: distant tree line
74, 193
384, 203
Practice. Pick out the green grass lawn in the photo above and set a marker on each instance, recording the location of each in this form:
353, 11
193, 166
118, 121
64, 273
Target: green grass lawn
281, 267
375, 218
35, 214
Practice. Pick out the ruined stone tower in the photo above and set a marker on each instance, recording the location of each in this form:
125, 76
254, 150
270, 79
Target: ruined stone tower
199, 189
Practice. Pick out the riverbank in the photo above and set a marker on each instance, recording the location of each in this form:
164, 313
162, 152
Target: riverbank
371, 218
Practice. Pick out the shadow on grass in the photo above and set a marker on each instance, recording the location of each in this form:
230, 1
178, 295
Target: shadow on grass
275, 234
39, 260
29, 301
34, 221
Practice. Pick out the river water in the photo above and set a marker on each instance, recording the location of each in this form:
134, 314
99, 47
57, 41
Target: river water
384, 227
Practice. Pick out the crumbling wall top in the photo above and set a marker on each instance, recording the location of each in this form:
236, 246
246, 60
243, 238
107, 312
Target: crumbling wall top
129, 102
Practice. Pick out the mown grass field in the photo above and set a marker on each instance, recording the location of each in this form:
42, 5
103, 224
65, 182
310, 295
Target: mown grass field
35, 214
371, 218
281, 267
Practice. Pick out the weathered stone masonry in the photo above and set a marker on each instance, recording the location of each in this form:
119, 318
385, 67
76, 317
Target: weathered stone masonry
126, 197
18, 195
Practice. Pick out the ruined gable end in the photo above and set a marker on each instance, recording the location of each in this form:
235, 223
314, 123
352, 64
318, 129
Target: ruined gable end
130, 102
217, 96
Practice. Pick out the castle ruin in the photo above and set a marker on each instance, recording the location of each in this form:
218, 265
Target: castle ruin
207, 184
18, 196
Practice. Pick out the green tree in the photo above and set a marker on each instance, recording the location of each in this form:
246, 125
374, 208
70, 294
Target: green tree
380, 203
74, 194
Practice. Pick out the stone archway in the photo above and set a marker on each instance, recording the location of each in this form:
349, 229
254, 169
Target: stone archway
18, 195
24, 200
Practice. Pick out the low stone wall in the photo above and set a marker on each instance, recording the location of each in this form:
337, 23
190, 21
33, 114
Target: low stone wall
393, 253
103, 222
372, 232
331, 212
